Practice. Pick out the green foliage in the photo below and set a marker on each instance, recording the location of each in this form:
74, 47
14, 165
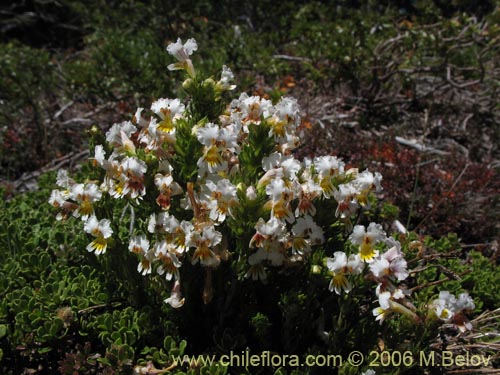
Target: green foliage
25, 75
120, 64
473, 272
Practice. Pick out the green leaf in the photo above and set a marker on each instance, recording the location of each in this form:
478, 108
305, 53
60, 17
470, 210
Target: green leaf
3, 330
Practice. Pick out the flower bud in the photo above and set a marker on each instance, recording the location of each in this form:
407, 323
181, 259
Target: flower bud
186, 85
94, 130
251, 193
150, 158
209, 82
315, 269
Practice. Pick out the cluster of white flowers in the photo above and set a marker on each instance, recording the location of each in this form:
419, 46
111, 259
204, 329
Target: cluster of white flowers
290, 189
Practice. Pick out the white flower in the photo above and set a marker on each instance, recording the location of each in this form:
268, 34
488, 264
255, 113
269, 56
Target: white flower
284, 120
347, 206
101, 230
256, 271
57, 198
280, 200
464, 302
182, 52
165, 253
270, 238
166, 183
153, 137
208, 135
392, 299
366, 182
340, 266
328, 167
390, 263
132, 166
251, 193
175, 300
444, 305
226, 78
381, 312
169, 111
114, 134
288, 109
138, 119
306, 233
211, 161
204, 242
271, 253
63, 180
99, 156
168, 188
98, 228
228, 138
85, 195
286, 167
140, 246
252, 108
222, 197
367, 240
447, 306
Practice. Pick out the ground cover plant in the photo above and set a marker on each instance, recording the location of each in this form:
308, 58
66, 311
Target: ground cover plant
200, 225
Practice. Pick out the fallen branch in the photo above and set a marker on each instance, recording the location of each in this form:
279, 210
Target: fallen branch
420, 147
292, 58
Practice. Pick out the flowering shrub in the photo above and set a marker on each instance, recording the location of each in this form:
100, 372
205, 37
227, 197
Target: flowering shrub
193, 184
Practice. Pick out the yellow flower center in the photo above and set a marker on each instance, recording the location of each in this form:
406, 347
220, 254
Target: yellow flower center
340, 281
366, 250
99, 245
166, 125
212, 156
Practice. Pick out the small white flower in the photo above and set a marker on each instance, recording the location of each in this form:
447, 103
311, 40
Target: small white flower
63, 180
226, 78
175, 300
222, 197
165, 253
204, 242
366, 182
347, 205
139, 245
328, 167
85, 195
169, 111
99, 156
251, 193
57, 198
464, 302
209, 134
367, 239
306, 233
182, 52
381, 312
101, 230
340, 266
447, 306
114, 134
